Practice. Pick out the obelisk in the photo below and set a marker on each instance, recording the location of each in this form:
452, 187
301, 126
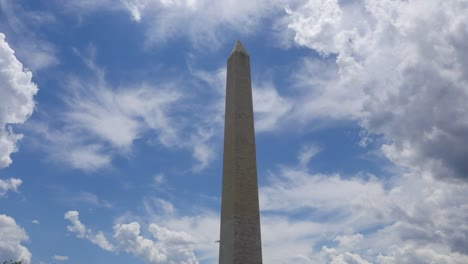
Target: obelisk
240, 241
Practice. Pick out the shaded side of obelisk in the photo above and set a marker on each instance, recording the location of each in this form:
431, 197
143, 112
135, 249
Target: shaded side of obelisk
240, 241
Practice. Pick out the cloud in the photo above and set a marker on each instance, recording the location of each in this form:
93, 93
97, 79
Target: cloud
86, 197
200, 21
94, 200
100, 121
270, 107
11, 184
379, 69
132, 242
203, 22
36, 222
162, 206
321, 218
69, 147
89, 5
409, 254
409, 218
130, 108
77, 227
307, 153
12, 236
168, 246
330, 255
60, 258
172, 246
119, 116
200, 141
17, 90
318, 22
22, 26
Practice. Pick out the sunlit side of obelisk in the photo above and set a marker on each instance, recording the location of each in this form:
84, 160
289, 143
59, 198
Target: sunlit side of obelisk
240, 241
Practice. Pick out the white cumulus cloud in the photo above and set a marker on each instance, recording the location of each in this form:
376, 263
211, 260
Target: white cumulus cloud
169, 246
165, 245
398, 68
17, 92
12, 235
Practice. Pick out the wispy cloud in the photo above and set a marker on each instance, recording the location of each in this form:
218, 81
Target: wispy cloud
101, 121
270, 107
204, 23
60, 258
11, 184
307, 153
22, 25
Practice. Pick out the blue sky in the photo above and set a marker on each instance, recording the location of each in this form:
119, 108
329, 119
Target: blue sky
112, 118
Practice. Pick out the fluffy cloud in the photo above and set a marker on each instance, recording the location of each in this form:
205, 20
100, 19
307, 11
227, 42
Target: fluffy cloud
182, 234
17, 91
331, 256
77, 227
168, 246
12, 236
132, 242
409, 86
171, 246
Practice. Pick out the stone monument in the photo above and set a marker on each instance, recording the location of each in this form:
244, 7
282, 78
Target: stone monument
240, 241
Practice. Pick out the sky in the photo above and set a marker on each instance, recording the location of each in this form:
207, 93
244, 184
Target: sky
112, 119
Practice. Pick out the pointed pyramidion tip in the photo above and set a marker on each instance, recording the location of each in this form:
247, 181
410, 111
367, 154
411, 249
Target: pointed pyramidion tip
239, 48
